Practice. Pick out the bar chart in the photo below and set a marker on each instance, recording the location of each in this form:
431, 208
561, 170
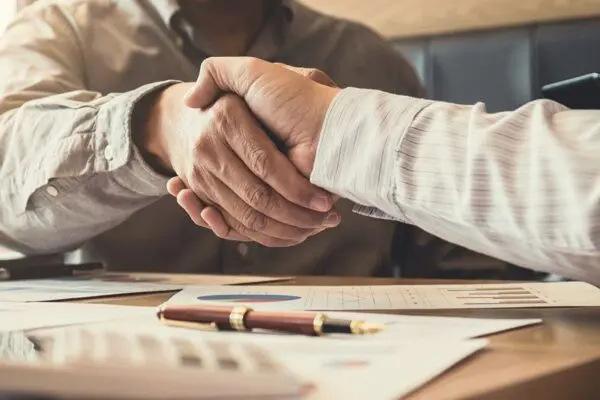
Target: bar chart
489, 296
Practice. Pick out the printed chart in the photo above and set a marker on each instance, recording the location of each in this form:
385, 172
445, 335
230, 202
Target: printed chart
491, 296
399, 297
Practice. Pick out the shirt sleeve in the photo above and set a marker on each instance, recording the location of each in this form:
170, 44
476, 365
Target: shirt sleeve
68, 168
521, 186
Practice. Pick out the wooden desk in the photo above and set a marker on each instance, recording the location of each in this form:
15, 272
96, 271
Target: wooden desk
559, 359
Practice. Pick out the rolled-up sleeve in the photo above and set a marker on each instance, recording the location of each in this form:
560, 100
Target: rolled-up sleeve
68, 167
521, 186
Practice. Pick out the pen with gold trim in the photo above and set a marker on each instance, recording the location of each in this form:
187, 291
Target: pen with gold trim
243, 319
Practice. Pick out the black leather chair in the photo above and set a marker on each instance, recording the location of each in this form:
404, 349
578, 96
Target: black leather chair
504, 68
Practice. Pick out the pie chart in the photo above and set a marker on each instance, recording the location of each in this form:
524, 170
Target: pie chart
248, 298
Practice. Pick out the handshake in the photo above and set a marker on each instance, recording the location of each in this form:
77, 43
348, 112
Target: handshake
230, 176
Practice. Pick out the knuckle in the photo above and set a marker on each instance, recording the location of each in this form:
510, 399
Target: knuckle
202, 184
234, 224
254, 220
259, 163
220, 111
253, 63
208, 64
316, 75
223, 115
258, 196
196, 176
312, 73
218, 118
202, 147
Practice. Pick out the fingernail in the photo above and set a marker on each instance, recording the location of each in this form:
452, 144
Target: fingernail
333, 219
321, 203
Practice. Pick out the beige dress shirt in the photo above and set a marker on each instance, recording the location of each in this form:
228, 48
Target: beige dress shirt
71, 73
522, 186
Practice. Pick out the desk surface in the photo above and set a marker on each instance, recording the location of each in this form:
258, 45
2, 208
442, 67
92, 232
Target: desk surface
557, 359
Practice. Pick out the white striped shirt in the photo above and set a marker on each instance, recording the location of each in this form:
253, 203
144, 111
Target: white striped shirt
521, 186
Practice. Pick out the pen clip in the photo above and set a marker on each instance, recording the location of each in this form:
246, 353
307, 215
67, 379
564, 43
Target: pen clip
190, 325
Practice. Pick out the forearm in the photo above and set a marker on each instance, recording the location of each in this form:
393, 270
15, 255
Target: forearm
71, 170
520, 186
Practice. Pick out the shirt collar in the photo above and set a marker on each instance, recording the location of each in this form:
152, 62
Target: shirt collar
290, 8
267, 43
168, 8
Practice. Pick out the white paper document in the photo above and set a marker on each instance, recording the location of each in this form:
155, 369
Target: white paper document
189, 279
22, 316
74, 288
398, 297
92, 362
332, 368
369, 370
377, 372
416, 327
410, 327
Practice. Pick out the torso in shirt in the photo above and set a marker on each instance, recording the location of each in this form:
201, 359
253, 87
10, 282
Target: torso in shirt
130, 44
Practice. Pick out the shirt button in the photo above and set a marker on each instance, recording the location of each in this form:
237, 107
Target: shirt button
108, 153
243, 249
179, 42
52, 191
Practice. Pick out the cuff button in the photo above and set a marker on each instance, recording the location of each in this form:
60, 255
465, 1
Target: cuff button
108, 153
52, 191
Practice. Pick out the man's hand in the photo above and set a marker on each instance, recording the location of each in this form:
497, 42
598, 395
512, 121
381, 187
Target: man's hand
226, 159
208, 216
290, 104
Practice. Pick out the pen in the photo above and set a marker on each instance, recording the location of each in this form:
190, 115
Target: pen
243, 319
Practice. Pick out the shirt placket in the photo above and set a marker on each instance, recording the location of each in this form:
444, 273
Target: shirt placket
184, 41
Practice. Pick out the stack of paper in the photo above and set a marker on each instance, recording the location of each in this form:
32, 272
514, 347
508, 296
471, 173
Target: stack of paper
111, 284
410, 351
74, 288
383, 368
23, 316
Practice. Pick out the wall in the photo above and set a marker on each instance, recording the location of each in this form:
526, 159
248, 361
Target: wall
7, 11
405, 18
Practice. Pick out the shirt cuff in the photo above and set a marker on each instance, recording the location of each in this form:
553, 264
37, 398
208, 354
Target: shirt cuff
372, 212
115, 150
359, 144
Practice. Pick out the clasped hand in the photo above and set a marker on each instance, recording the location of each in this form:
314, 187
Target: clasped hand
230, 177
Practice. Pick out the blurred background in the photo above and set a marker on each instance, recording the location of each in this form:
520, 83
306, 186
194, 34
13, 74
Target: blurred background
497, 51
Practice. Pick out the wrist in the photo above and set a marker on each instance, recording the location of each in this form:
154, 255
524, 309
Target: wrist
327, 97
154, 116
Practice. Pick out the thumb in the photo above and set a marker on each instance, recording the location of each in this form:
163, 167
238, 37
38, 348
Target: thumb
224, 74
313, 74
